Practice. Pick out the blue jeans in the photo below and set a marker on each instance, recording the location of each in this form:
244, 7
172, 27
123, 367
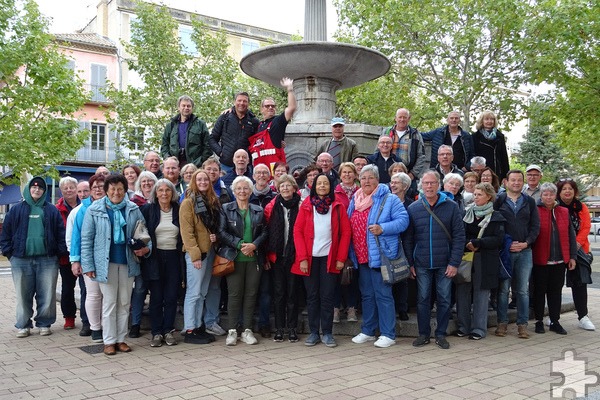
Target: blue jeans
522, 264
425, 278
377, 303
138, 297
211, 303
198, 281
83, 295
35, 276
163, 292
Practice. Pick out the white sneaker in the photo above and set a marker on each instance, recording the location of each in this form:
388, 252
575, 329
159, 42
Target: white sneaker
215, 329
362, 338
547, 321
248, 337
585, 323
384, 342
231, 338
21, 333
45, 331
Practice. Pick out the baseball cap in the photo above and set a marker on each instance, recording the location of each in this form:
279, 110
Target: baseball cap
533, 166
338, 121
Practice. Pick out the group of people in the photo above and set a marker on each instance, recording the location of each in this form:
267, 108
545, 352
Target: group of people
124, 234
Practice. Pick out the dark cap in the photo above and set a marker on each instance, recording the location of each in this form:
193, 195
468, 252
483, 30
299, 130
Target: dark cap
37, 181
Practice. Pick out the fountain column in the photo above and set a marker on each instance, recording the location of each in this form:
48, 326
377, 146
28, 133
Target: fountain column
315, 21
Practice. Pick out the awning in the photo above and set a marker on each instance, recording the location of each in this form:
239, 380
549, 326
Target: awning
10, 194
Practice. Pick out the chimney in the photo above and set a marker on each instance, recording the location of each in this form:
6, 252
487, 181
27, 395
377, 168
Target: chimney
102, 18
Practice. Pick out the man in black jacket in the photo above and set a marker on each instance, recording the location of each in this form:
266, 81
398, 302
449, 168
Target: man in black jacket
383, 158
232, 130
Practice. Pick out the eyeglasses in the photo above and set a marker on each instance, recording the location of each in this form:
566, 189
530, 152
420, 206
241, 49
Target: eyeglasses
444, 154
97, 188
154, 160
269, 106
261, 172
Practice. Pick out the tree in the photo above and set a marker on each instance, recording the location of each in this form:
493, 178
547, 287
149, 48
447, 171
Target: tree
539, 145
38, 93
168, 69
463, 54
565, 52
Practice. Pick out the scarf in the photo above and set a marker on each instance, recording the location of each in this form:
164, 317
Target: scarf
362, 202
321, 204
349, 190
208, 216
489, 135
118, 220
277, 226
574, 209
262, 192
478, 212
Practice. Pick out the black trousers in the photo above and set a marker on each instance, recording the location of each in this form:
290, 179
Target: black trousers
285, 286
548, 283
320, 290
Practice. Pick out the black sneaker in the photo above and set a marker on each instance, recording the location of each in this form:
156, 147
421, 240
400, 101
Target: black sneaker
460, 333
442, 342
85, 330
512, 305
134, 332
97, 336
403, 316
539, 327
421, 341
475, 336
278, 336
198, 336
292, 335
556, 327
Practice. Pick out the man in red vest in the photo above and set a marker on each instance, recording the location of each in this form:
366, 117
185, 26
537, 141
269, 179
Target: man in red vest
266, 146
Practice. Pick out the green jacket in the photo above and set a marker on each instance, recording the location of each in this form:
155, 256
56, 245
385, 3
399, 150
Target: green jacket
197, 149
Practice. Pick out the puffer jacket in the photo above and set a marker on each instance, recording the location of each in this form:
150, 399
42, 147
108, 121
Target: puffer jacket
231, 133
231, 230
393, 220
437, 137
425, 243
96, 238
197, 147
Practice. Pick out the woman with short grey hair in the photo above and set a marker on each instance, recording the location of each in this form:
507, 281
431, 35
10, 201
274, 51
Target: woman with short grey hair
143, 187
451, 185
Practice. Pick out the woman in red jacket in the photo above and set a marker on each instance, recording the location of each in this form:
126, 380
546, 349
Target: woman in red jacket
580, 218
554, 250
322, 238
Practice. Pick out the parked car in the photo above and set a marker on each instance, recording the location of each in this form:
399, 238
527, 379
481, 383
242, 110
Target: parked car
595, 228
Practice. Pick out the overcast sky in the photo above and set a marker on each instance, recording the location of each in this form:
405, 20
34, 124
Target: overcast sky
283, 16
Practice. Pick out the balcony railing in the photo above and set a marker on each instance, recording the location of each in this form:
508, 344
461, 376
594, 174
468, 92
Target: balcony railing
96, 93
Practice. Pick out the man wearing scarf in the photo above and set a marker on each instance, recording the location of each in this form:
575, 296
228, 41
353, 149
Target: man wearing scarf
33, 237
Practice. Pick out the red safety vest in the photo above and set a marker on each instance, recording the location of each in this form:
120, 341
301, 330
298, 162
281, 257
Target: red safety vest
263, 151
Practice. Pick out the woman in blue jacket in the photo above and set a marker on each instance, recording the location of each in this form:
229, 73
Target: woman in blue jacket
375, 212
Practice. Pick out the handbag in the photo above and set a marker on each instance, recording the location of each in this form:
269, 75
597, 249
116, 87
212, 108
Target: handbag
465, 269
140, 237
222, 266
347, 274
582, 274
397, 269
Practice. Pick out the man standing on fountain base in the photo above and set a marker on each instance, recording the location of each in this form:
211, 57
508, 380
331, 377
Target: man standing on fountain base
266, 147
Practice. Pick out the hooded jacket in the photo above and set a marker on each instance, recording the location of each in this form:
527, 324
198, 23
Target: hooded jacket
197, 146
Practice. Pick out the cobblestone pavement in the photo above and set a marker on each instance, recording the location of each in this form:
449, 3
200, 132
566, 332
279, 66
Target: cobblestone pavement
56, 367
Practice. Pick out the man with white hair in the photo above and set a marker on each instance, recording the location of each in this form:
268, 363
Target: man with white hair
241, 163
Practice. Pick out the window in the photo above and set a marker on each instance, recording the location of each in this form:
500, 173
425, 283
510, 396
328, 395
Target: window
249, 46
98, 82
185, 37
98, 136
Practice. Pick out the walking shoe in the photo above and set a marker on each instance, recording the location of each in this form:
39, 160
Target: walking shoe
134, 332
215, 329
585, 323
460, 333
403, 316
69, 323
501, 329
156, 341
312, 339
232, 337
278, 336
362, 338
85, 330
292, 335
556, 327
110, 350
539, 327
198, 336
265, 331
384, 342
123, 347
522, 331
45, 331
248, 337
420, 341
442, 342
351, 314
170, 339
97, 336
328, 340
475, 336
336, 315
21, 333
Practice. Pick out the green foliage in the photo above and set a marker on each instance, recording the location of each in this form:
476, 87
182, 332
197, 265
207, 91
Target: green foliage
462, 54
565, 47
168, 70
38, 96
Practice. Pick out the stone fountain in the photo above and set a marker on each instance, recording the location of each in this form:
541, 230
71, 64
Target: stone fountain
318, 68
